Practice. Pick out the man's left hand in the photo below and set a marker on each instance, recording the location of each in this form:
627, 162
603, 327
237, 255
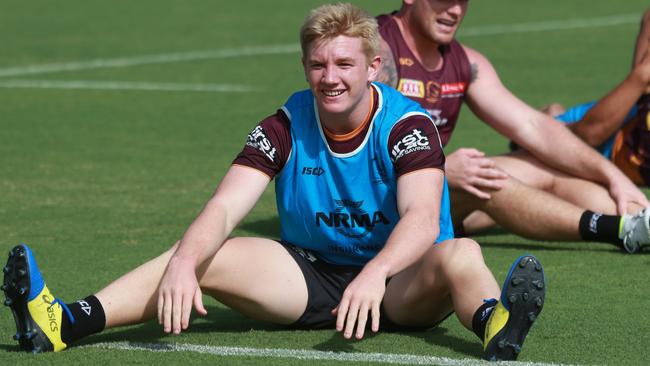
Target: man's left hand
627, 196
362, 296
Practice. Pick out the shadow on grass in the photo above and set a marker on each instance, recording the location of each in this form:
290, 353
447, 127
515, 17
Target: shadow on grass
558, 247
487, 239
218, 320
11, 348
552, 247
269, 228
336, 343
435, 337
223, 320
439, 337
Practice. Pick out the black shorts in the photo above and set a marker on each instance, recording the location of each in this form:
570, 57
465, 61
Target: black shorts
325, 285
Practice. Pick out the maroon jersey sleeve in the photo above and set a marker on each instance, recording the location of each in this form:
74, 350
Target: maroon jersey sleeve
267, 146
414, 144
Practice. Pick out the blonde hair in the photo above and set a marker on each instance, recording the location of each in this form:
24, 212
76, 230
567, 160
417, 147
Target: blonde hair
330, 21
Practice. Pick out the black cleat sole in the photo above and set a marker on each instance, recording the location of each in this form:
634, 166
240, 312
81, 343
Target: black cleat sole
524, 293
16, 287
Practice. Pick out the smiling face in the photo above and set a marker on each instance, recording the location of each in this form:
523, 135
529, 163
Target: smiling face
437, 20
339, 75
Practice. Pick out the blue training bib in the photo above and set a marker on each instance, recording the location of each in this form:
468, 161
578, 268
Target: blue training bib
343, 207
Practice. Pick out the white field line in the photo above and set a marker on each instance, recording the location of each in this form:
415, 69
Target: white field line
551, 25
124, 85
403, 359
149, 59
294, 48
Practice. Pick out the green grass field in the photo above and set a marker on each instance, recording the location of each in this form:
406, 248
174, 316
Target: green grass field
97, 176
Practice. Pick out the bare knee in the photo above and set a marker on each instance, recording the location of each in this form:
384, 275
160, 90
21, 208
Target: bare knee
462, 252
454, 258
524, 168
510, 187
509, 183
464, 202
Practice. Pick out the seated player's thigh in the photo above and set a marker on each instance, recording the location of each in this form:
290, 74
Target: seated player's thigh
258, 278
419, 296
527, 169
581, 192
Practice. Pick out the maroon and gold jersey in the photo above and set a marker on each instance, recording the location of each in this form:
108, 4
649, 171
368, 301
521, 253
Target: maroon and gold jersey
631, 150
440, 92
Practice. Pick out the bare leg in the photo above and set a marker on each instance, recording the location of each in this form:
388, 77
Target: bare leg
451, 276
131, 299
535, 193
562, 191
233, 276
258, 278
523, 210
477, 222
580, 192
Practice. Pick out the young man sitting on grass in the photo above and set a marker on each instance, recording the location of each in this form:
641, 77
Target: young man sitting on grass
366, 233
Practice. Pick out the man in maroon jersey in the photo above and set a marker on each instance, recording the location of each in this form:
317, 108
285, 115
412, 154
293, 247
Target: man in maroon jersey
562, 186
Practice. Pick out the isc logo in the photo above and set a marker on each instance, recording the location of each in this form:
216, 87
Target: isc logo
317, 171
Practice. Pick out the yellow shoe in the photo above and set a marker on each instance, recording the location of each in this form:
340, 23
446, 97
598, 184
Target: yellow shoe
521, 301
37, 313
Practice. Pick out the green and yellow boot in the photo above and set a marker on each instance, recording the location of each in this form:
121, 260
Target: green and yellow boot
37, 313
521, 301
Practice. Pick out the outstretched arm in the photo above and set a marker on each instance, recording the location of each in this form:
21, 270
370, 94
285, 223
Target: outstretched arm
179, 288
542, 136
643, 39
608, 115
418, 201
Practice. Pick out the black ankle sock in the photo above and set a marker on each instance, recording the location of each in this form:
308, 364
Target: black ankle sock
481, 316
89, 318
601, 228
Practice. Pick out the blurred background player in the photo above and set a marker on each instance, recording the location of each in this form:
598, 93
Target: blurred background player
562, 190
617, 125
